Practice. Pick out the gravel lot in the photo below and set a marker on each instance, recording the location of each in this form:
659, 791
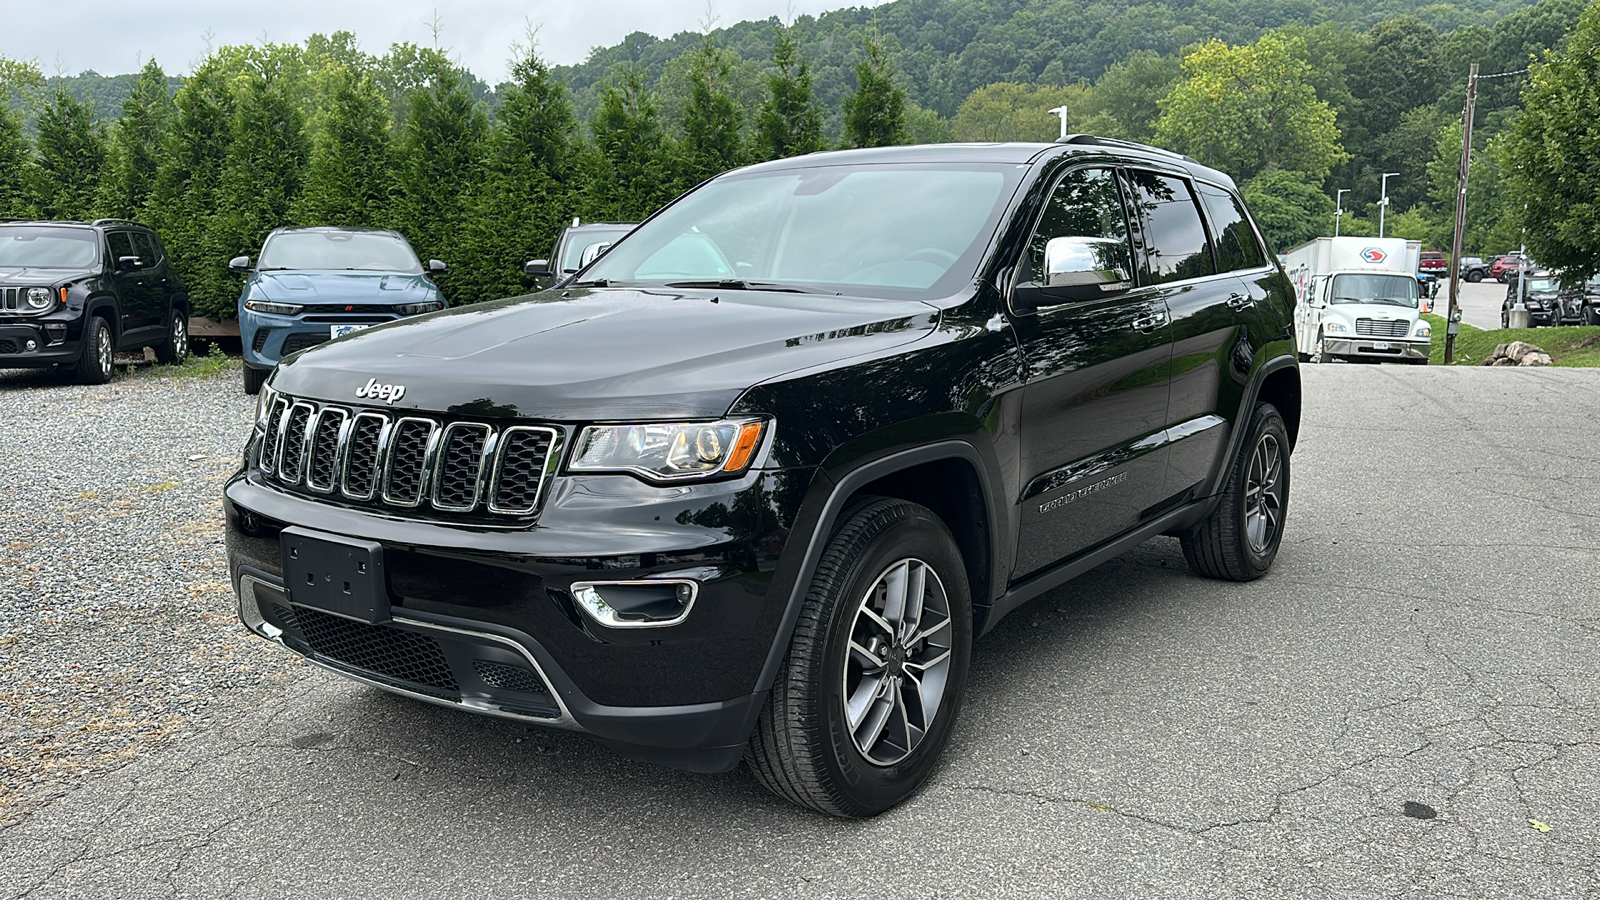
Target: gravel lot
117, 626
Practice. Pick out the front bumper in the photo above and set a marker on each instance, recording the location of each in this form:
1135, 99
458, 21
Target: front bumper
1374, 348
482, 618
61, 345
267, 338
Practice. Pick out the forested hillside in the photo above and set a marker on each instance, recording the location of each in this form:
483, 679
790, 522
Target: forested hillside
1297, 100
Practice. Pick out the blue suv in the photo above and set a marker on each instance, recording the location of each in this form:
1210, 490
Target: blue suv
311, 285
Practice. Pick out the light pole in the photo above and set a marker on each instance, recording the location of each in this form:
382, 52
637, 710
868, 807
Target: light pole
1338, 208
1383, 204
1062, 112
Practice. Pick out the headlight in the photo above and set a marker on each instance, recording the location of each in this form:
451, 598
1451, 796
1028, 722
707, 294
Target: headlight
1424, 329
1335, 327
39, 298
417, 309
276, 309
264, 402
669, 451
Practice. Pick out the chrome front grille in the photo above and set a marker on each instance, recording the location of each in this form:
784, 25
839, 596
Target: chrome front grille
407, 462
1389, 328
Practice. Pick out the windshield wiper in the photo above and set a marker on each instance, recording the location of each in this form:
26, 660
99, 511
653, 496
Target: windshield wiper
739, 284
593, 282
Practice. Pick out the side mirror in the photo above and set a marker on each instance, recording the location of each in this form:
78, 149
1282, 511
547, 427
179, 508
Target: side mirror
592, 252
239, 265
1076, 269
129, 262
536, 268
437, 267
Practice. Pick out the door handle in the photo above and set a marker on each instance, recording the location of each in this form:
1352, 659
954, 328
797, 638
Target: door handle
1150, 323
1240, 301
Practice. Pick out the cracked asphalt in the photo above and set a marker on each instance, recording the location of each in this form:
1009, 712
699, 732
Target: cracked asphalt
1429, 640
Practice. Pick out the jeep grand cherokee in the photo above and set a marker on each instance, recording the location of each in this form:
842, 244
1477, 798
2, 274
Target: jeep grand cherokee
750, 485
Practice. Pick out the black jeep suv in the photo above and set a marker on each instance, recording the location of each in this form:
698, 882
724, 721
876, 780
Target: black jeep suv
74, 293
751, 484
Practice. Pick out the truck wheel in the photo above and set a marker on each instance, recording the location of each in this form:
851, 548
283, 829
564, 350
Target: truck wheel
1319, 351
1474, 276
254, 379
175, 349
1239, 540
864, 702
95, 365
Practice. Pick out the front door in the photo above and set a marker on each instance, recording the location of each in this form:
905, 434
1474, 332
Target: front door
1094, 412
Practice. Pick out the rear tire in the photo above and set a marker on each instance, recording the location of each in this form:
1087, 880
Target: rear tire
97, 364
175, 349
1474, 276
1591, 315
254, 379
1240, 539
848, 730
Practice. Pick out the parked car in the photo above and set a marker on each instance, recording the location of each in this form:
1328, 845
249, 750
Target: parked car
1473, 268
1540, 293
314, 284
1580, 301
1433, 263
578, 245
73, 294
750, 486
1504, 268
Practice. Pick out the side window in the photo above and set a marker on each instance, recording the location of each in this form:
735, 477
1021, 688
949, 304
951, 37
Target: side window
121, 244
1176, 245
1085, 203
1237, 245
148, 254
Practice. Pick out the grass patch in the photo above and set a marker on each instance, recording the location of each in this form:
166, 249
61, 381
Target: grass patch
1568, 345
214, 362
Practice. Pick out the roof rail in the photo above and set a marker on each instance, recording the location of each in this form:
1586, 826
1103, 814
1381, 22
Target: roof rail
1129, 145
114, 221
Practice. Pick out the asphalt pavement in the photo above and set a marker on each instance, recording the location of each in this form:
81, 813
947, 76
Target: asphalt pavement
1408, 705
1480, 303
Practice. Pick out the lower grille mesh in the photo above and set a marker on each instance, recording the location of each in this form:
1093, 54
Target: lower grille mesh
509, 678
395, 654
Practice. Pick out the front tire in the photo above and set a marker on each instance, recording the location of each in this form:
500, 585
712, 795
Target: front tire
1240, 539
1319, 353
864, 703
96, 365
254, 379
1591, 315
175, 349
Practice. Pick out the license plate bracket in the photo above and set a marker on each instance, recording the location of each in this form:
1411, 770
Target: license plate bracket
339, 331
335, 574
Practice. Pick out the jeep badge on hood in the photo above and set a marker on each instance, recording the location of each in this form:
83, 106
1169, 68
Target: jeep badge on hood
390, 393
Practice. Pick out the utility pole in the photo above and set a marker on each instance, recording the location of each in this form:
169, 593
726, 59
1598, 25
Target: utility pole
1338, 208
1383, 204
1452, 321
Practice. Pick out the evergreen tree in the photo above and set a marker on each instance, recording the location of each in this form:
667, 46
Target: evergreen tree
349, 178
187, 182
440, 159
631, 171
527, 190
266, 160
14, 150
874, 115
711, 142
137, 143
789, 123
71, 155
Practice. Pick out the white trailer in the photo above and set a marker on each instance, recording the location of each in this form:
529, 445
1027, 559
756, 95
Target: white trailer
1357, 298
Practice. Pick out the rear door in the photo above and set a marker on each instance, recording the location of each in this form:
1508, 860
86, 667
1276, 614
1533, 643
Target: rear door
157, 280
1095, 399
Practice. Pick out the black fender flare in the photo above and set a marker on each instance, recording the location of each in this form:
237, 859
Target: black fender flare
103, 302
845, 487
1246, 405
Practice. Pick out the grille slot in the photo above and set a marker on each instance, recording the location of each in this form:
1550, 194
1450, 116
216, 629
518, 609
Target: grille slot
375, 457
8, 300
8, 346
407, 467
395, 654
509, 678
326, 432
361, 456
292, 449
1393, 328
260, 341
294, 343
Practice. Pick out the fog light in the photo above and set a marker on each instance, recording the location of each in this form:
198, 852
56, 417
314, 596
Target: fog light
649, 603
32, 344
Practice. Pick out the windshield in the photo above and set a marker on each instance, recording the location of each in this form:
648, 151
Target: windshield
578, 244
1539, 283
894, 231
351, 250
1386, 290
47, 248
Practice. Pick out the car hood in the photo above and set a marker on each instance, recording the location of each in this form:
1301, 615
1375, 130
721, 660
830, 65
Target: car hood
29, 276
341, 287
608, 353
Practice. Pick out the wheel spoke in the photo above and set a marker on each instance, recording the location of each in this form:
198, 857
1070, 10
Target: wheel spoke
871, 616
916, 585
877, 718
860, 703
894, 600
865, 657
927, 634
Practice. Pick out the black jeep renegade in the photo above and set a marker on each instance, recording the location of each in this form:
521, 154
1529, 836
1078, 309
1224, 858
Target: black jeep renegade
751, 484
74, 293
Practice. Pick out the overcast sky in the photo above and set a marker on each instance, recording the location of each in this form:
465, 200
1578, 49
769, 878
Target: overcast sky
112, 38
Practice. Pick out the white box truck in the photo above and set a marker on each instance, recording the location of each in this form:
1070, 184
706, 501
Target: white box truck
1357, 299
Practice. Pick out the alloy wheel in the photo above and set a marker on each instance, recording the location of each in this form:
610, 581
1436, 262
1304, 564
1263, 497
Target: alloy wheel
898, 663
102, 352
1263, 494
